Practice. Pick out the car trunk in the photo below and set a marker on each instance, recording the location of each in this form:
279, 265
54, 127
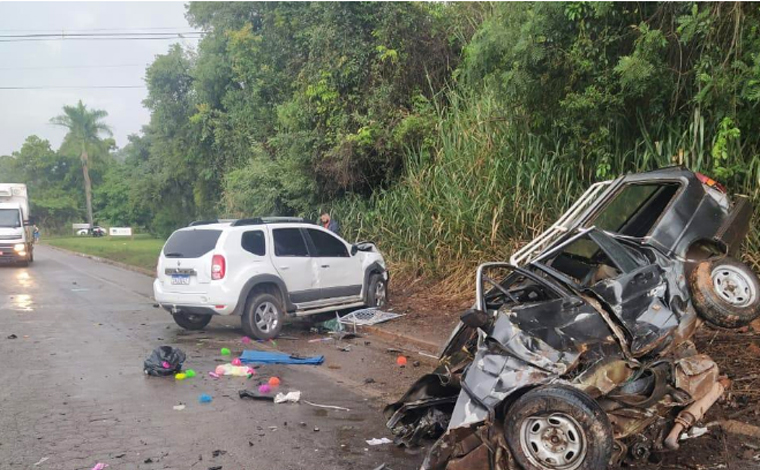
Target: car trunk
185, 266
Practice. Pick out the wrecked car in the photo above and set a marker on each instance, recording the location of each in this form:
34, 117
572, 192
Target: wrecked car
577, 353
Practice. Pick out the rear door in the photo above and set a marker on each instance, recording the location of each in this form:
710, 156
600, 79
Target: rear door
295, 265
340, 274
185, 264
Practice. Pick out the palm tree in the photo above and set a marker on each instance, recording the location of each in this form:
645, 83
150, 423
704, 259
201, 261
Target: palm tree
84, 127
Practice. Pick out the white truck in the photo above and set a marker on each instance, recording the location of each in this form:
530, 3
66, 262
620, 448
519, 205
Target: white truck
16, 239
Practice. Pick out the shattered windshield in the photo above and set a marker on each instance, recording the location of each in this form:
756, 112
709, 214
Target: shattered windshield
9, 218
635, 209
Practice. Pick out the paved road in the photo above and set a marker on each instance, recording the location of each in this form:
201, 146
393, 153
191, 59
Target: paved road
72, 390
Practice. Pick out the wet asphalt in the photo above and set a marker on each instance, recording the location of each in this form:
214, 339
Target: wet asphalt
73, 392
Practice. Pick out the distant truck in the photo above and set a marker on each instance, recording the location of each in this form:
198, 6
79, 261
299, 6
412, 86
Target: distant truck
16, 239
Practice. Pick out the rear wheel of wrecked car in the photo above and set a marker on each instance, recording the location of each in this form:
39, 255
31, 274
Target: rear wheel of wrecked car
377, 291
725, 292
191, 321
263, 317
558, 428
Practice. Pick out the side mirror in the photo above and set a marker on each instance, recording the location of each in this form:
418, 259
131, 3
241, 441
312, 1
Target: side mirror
30, 221
354, 250
474, 318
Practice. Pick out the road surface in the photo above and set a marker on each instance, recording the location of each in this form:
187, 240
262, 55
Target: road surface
73, 392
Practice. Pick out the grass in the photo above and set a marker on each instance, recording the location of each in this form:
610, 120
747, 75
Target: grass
141, 251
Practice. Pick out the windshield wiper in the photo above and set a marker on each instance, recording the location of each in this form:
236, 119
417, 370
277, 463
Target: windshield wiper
173, 255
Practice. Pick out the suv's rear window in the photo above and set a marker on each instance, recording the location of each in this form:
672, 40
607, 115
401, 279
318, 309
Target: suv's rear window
635, 209
191, 243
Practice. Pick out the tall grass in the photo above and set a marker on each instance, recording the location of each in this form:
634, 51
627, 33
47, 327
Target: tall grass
488, 188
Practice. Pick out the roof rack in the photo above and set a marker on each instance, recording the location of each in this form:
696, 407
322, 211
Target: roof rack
203, 222
268, 220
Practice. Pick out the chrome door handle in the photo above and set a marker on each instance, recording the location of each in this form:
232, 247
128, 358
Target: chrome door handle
325, 266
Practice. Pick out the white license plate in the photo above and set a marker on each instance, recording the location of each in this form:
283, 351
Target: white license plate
180, 280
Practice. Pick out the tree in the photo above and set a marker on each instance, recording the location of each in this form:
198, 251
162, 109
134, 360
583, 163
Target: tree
85, 127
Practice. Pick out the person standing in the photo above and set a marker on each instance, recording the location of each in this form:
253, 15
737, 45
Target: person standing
329, 223
36, 233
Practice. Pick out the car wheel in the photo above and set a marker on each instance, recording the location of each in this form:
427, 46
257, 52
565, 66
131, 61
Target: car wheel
191, 321
263, 316
377, 291
558, 428
31, 255
725, 292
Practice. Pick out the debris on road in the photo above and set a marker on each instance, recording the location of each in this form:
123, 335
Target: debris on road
225, 352
43, 459
236, 362
274, 382
737, 427
180, 376
401, 361
254, 395
100, 466
218, 452
204, 398
290, 397
377, 442
367, 317
236, 371
264, 357
164, 361
329, 407
12, 336
189, 373
320, 340
178, 407
265, 388
245, 340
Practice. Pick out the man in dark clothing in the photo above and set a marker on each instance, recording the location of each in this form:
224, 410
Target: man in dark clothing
329, 224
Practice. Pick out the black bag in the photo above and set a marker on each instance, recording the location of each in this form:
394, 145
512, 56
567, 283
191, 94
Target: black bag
164, 361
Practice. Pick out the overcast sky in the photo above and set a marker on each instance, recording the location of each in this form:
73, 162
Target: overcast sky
76, 63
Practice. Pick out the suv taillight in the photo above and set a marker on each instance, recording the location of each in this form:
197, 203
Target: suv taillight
218, 267
707, 181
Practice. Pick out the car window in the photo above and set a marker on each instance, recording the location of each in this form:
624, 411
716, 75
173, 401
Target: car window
635, 209
253, 242
289, 242
9, 218
191, 243
327, 245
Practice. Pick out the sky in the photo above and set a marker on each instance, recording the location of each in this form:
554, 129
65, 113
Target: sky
78, 63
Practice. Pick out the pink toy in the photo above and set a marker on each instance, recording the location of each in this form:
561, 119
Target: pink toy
245, 340
166, 365
251, 371
214, 375
265, 388
236, 362
219, 370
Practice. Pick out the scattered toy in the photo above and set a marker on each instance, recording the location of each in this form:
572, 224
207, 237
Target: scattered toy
236, 362
245, 340
290, 397
99, 466
401, 361
225, 352
377, 442
190, 373
156, 363
264, 357
178, 407
265, 388
214, 375
204, 398
237, 371
274, 382
181, 376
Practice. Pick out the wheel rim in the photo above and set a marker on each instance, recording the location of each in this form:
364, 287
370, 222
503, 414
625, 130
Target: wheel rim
554, 442
266, 317
734, 286
380, 294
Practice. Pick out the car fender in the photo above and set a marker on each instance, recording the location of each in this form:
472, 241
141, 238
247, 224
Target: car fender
258, 280
374, 267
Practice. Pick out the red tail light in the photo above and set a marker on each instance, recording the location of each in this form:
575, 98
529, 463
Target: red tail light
218, 267
707, 181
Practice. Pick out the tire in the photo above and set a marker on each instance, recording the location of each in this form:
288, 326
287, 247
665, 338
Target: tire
191, 321
263, 316
556, 427
31, 255
725, 292
377, 291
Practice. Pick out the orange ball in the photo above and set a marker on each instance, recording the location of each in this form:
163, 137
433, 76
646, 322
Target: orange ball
401, 361
274, 382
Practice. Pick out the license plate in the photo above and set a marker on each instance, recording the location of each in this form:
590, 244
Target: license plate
180, 280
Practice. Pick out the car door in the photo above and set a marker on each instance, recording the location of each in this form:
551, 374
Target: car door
295, 265
340, 273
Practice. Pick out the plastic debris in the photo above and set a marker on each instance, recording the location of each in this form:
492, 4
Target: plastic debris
225, 352
319, 340
12, 336
695, 431
290, 397
368, 317
401, 361
329, 407
245, 340
99, 466
204, 398
264, 357
265, 388
41, 461
237, 371
377, 442
181, 376
254, 396
190, 373
178, 407
236, 362
214, 375
155, 364
274, 382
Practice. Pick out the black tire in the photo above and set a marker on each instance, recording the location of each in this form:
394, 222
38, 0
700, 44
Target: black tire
377, 298
263, 316
191, 321
725, 292
31, 255
582, 431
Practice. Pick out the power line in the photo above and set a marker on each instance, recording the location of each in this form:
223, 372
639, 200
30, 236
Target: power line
66, 87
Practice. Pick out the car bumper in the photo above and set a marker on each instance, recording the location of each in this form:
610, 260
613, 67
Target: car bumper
200, 303
9, 255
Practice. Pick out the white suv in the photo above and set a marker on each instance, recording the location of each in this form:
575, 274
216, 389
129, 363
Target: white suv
263, 269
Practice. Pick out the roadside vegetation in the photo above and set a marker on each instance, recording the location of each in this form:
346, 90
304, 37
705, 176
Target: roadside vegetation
448, 133
140, 251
